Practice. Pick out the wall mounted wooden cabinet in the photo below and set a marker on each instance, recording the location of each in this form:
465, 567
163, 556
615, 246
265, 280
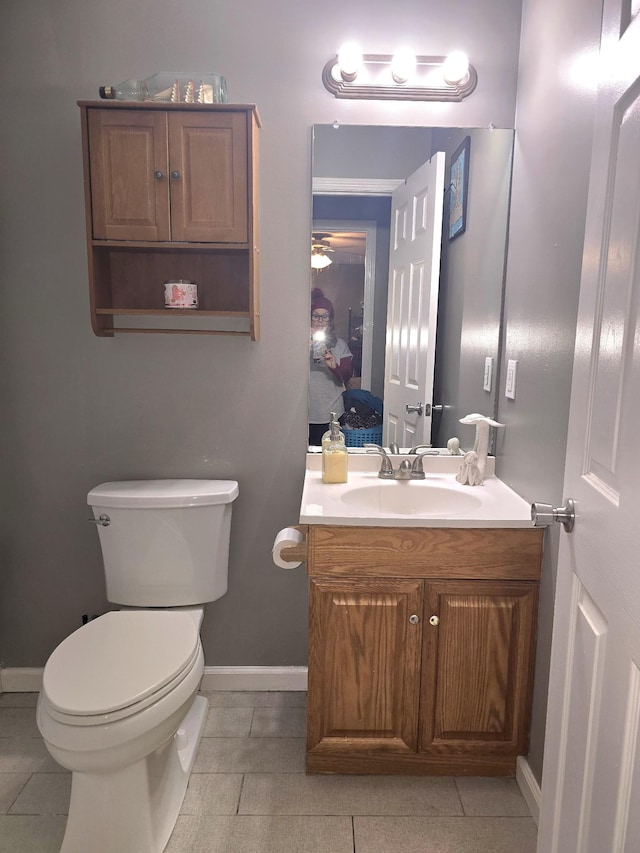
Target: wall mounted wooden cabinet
171, 193
421, 648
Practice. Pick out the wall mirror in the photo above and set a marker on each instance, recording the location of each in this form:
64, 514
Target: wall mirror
394, 332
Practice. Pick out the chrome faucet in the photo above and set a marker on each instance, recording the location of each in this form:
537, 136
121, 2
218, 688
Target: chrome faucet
406, 470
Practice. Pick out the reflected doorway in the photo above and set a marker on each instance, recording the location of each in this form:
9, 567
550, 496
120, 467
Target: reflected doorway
357, 278
348, 280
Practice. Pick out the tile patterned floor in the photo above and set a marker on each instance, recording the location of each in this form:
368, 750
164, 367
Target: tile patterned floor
248, 793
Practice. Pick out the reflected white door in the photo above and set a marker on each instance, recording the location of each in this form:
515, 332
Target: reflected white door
591, 778
414, 275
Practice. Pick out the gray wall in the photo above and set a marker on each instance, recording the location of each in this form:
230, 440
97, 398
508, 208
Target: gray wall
551, 169
471, 285
354, 151
78, 410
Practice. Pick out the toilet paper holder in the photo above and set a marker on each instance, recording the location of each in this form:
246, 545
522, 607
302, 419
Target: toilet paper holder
296, 553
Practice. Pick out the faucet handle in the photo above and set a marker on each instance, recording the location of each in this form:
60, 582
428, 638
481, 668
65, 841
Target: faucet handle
417, 470
426, 448
386, 468
375, 448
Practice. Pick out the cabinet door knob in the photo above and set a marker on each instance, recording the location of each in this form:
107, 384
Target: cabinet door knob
175, 175
414, 619
158, 175
433, 620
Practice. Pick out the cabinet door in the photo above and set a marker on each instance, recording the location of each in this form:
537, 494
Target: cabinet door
364, 661
209, 177
129, 174
476, 680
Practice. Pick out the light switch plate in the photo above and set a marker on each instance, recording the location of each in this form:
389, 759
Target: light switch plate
488, 373
510, 385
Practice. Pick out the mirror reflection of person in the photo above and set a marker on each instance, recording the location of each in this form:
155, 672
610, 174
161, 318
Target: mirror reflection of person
330, 365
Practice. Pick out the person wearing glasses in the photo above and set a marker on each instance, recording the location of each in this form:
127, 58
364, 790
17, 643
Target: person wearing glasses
329, 370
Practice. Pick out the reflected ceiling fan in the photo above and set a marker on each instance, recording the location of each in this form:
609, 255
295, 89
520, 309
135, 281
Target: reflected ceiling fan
320, 250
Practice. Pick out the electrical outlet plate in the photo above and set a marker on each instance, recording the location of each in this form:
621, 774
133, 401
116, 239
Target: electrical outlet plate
510, 385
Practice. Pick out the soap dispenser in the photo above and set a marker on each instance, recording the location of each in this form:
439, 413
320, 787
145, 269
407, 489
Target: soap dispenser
334, 456
326, 438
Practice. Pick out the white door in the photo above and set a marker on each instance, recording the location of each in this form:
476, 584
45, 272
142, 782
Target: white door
414, 275
591, 777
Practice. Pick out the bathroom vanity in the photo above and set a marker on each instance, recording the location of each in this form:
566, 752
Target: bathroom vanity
421, 624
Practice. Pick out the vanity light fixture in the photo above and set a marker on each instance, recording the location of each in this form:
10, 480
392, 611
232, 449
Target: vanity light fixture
402, 76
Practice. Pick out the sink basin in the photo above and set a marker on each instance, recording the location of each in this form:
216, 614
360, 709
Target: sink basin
437, 501
406, 497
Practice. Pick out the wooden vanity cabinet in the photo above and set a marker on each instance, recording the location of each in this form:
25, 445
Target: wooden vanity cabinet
421, 645
171, 193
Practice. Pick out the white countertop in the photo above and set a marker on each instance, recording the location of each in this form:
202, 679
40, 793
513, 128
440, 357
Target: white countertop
437, 501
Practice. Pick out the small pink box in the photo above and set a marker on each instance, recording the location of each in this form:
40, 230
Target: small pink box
180, 294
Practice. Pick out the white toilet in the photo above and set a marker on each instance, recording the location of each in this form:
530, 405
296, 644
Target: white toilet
118, 704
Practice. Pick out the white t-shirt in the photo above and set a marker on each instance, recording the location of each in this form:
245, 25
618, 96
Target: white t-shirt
325, 389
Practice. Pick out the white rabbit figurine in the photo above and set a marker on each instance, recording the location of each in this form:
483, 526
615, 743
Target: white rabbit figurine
472, 470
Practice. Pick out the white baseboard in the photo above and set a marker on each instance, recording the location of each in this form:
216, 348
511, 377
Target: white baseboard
29, 679
21, 679
528, 786
254, 678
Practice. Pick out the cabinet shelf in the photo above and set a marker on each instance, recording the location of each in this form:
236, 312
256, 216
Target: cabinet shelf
170, 245
178, 312
171, 193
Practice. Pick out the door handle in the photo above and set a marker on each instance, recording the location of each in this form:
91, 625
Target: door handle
427, 408
542, 515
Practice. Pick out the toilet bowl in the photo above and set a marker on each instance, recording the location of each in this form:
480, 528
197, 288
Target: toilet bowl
118, 705
118, 708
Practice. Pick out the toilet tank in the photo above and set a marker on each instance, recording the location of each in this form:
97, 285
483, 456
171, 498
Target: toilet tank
166, 542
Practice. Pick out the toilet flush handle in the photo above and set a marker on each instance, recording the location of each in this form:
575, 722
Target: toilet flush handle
104, 520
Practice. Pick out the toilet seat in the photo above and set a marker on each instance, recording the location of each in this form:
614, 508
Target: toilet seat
119, 664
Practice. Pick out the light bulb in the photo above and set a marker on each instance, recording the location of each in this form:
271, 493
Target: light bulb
349, 61
455, 67
403, 65
319, 261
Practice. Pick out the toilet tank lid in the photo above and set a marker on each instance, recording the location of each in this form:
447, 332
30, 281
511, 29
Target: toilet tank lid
149, 494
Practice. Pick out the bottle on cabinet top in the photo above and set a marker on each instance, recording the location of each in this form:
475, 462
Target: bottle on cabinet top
172, 87
335, 458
